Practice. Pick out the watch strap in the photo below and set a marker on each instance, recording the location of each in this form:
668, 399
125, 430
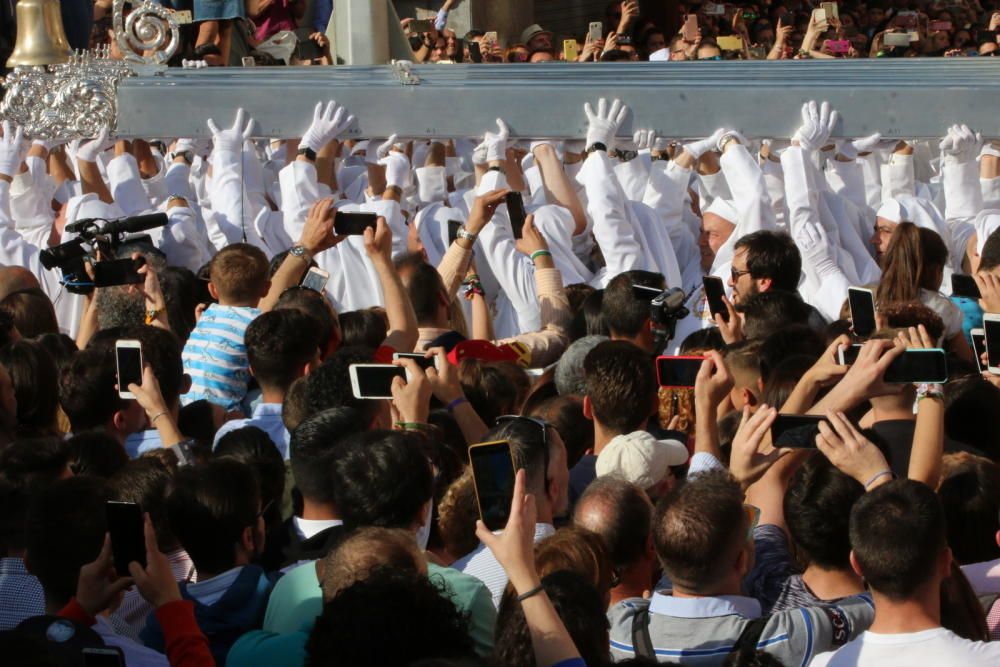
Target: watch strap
596, 146
308, 152
468, 236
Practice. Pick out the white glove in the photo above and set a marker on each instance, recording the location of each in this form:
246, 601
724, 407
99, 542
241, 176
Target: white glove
374, 155
496, 143
702, 146
89, 151
479, 154
329, 122
850, 149
644, 139
603, 125
730, 133
397, 169
990, 149
231, 140
961, 143
817, 253
818, 122
11, 147
661, 144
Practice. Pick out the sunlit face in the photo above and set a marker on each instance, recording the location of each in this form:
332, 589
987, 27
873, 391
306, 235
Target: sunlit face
541, 57
541, 41
715, 231
440, 50
883, 233
741, 283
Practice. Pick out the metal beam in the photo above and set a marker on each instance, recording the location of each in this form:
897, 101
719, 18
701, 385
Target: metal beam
910, 98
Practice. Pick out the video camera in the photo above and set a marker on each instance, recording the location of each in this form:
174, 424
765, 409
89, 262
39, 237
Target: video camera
70, 257
665, 308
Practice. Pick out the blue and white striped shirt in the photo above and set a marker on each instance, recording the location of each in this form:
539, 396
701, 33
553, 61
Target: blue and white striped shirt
215, 355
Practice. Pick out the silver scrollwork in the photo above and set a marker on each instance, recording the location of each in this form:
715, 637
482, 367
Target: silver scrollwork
149, 35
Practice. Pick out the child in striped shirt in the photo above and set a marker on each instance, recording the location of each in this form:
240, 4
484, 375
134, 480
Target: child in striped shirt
215, 355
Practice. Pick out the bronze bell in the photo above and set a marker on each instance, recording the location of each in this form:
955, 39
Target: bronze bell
41, 39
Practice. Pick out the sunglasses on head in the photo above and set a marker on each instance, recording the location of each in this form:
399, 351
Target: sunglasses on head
539, 423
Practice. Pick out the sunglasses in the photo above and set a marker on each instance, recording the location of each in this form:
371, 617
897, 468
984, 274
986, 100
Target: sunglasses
736, 273
711, 58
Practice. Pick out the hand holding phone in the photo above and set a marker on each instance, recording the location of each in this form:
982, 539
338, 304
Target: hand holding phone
128, 357
316, 279
570, 50
128, 542
374, 381
119, 272
475, 54
595, 31
493, 476
678, 371
516, 212
715, 294
353, 224
862, 304
689, 33
851, 452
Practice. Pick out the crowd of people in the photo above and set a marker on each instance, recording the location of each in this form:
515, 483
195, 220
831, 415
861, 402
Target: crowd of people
287, 521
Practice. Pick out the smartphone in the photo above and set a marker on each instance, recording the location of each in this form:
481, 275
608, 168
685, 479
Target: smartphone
831, 10
491, 38
715, 291
453, 227
493, 476
986, 36
896, 39
475, 55
940, 25
991, 324
690, 30
729, 42
848, 355
119, 272
128, 356
248, 61
374, 381
964, 286
714, 9
595, 31
677, 371
103, 657
907, 19
820, 19
838, 45
422, 361
425, 25
796, 431
917, 366
979, 348
570, 50
353, 224
862, 302
128, 543
515, 209
316, 279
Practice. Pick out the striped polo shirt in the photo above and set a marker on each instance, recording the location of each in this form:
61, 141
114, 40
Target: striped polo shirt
215, 356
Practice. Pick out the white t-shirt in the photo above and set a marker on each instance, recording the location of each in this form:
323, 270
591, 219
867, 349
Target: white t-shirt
938, 647
946, 308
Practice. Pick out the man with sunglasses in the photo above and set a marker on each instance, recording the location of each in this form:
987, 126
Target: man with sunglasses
538, 448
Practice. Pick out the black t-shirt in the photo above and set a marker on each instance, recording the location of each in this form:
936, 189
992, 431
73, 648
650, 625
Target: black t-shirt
895, 438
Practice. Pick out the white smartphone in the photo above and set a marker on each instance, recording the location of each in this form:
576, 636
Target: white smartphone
847, 354
374, 381
991, 325
979, 347
862, 302
422, 361
316, 279
128, 356
596, 31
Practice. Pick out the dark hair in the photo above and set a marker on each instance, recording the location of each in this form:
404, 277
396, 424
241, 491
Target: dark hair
579, 607
144, 481
423, 286
899, 315
381, 478
767, 312
793, 340
620, 512
329, 386
365, 549
783, 378
65, 529
817, 509
8, 330
60, 347
702, 340
588, 319
967, 401
576, 549
239, 272
180, 293
254, 447
527, 447
970, 496
34, 462
295, 405
989, 258
279, 344
208, 508
316, 305
162, 351
621, 385
961, 610
910, 262
197, 420
897, 534
314, 447
565, 413
772, 255
625, 314
363, 328
434, 628
36, 386
14, 500
32, 312
96, 453
493, 388
698, 527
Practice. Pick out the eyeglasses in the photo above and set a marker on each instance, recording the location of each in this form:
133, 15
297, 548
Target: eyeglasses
736, 273
544, 426
264, 509
753, 517
711, 58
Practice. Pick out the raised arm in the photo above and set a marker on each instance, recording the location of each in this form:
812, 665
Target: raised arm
402, 335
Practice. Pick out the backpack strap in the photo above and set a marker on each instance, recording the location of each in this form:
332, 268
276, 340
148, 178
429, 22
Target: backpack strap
748, 639
642, 643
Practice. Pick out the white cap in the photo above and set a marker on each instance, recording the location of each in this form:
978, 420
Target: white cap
660, 55
724, 210
640, 458
892, 211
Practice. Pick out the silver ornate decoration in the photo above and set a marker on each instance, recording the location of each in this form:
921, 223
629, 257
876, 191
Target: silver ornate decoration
149, 35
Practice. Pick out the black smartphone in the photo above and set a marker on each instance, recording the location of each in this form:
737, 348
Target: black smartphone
796, 431
127, 540
493, 476
307, 49
453, 227
991, 325
986, 36
715, 291
374, 380
119, 272
979, 347
916, 366
128, 358
103, 657
964, 286
515, 209
353, 224
422, 361
848, 355
677, 371
475, 55
862, 303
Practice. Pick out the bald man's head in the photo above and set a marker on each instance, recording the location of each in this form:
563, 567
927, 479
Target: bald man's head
15, 278
621, 513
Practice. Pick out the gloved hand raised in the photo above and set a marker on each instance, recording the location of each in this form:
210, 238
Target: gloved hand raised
11, 149
604, 125
961, 143
329, 122
495, 143
89, 151
818, 122
702, 146
851, 148
231, 140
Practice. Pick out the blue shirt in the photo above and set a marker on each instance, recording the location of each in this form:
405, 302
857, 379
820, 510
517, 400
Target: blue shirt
139, 443
215, 356
266, 417
21, 594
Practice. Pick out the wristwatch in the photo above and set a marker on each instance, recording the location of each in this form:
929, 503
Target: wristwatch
625, 156
468, 236
308, 152
299, 250
726, 140
596, 146
187, 156
498, 168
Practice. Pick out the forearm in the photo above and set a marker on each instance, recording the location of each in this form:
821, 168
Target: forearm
288, 274
454, 265
706, 430
402, 334
802, 398
559, 187
928, 442
90, 179
481, 326
88, 322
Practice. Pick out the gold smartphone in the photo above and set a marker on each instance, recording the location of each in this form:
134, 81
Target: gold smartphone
493, 476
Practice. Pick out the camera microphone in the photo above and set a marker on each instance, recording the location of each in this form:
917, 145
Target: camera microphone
137, 223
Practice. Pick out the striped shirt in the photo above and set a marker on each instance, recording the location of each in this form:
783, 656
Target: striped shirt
483, 565
21, 594
130, 617
215, 356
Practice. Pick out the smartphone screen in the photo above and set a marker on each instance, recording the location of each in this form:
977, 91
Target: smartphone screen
715, 291
849, 354
677, 371
118, 272
103, 657
915, 366
795, 431
596, 31
965, 286
691, 28
127, 540
493, 475
515, 209
353, 224
979, 347
862, 303
475, 55
128, 355
453, 227
315, 279
422, 361
374, 380
992, 328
